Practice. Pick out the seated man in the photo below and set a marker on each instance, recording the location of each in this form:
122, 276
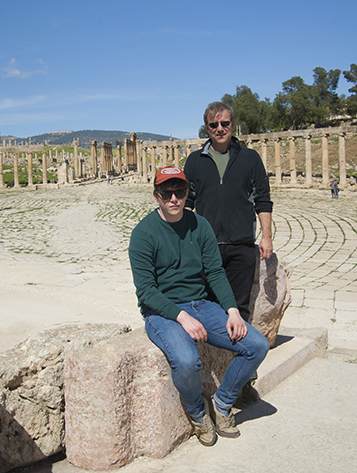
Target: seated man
169, 249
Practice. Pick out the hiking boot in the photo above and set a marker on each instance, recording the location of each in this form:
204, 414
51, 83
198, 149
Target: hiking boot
225, 426
205, 432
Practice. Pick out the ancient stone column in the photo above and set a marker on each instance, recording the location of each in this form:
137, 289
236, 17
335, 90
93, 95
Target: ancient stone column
325, 170
50, 156
77, 173
292, 160
145, 164
308, 179
133, 138
265, 154
171, 157
164, 155
29, 169
126, 155
44, 168
56, 155
119, 158
81, 167
139, 155
177, 156
188, 150
1, 171
153, 163
93, 158
342, 159
16, 170
277, 162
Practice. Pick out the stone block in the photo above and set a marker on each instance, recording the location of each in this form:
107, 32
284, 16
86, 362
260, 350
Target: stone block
121, 402
32, 393
270, 296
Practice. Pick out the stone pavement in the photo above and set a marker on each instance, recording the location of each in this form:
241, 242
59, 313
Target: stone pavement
64, 260
317, 236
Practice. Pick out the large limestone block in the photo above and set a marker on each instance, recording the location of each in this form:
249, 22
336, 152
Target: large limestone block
32, 394
270, 296
121, 402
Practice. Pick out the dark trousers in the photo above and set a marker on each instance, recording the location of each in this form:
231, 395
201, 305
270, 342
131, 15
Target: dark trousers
239, 263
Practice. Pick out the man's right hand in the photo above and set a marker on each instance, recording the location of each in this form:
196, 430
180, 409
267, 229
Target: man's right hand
192, 326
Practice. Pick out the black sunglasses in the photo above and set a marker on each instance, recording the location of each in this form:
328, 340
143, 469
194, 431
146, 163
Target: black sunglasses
224, 124
179, 193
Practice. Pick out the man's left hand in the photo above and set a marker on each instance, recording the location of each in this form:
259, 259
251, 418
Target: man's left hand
236, 326
265, 248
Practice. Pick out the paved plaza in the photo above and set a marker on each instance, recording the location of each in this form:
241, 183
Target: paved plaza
64, 260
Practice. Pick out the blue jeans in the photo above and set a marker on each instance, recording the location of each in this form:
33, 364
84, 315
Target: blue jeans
182, 354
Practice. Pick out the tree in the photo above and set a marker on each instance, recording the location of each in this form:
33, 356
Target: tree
351, 102
249, 111
202, 132
326, 100
293, 107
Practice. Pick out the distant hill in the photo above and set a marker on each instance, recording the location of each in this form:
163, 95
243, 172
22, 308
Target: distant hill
87, 136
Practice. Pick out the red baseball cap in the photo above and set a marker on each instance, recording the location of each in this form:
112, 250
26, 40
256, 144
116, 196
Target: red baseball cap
168, 172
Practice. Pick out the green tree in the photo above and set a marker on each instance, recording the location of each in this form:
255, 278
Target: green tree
277, 116
249, 111
202, 132
293, 107
351, 102
326, 100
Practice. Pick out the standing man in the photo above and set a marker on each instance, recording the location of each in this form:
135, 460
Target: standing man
169, 249
228, 185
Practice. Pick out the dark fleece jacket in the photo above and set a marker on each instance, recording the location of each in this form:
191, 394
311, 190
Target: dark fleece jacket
229, 204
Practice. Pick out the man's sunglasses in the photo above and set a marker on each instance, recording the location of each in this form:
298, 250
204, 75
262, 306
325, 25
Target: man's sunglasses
224, 124
179, 193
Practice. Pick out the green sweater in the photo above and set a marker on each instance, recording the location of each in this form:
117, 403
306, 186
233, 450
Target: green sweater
167, 260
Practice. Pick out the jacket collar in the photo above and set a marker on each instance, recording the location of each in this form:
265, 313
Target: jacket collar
234, 144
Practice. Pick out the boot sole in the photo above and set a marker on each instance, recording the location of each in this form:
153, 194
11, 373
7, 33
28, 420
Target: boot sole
226, 434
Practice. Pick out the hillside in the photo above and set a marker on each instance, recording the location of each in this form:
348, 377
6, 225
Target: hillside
87, 136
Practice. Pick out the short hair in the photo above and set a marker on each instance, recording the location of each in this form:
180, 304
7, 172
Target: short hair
173, 184
217, 107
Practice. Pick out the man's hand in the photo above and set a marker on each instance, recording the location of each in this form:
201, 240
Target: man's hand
235, 325
266, 244
192, 326
265, 248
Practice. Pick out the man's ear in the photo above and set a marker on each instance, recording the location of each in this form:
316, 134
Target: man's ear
155, 196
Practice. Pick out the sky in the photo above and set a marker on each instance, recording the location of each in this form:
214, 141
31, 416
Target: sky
154, 66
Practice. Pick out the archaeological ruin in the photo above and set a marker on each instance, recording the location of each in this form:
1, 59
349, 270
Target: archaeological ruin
139, 159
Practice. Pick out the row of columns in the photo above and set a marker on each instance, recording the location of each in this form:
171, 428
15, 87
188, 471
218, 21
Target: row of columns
168, 154
29, 169
308, 158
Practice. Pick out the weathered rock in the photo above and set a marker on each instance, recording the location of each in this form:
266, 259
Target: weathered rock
32, 394
121, 402
270, 296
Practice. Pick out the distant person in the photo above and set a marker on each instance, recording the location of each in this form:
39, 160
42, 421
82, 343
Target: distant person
228, 185
168, 250
333, 186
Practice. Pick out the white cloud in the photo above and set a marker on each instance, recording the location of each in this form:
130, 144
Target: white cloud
16, 103
13, 71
